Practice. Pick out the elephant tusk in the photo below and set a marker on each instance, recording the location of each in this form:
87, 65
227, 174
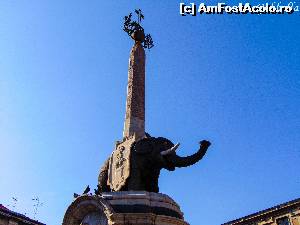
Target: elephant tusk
170, 150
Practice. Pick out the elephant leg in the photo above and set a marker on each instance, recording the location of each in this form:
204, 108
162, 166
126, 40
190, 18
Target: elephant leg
102, 178
151, 181
134, 181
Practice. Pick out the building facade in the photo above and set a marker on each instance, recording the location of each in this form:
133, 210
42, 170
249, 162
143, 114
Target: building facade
284, 214
8, 217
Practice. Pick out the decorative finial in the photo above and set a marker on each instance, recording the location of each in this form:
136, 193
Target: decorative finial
136, 31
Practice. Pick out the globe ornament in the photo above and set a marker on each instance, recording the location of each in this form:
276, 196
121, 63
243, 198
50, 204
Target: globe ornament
136, 31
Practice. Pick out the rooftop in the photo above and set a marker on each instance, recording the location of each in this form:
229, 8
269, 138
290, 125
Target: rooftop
17, 216
265, 212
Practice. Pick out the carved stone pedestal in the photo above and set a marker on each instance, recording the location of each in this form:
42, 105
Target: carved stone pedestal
124, 208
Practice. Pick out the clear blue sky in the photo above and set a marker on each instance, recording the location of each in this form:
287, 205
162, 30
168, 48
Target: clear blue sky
234, 80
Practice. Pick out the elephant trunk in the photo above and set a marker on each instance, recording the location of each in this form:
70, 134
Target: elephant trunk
179, 161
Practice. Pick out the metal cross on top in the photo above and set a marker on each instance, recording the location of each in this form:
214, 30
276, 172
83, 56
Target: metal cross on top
136, 31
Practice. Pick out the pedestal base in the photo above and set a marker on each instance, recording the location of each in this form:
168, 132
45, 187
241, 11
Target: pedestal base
124, 208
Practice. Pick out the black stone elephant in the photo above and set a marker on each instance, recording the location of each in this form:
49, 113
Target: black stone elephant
148, 156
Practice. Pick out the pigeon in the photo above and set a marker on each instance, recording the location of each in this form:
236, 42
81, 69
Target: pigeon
76, 195
87, 190
97, 192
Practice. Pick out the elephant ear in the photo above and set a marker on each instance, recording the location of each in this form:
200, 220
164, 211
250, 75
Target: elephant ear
144, 146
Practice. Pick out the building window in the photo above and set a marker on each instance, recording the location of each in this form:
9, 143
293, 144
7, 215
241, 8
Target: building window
283, 221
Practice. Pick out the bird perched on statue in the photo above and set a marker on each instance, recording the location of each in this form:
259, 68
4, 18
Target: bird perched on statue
97, 192
75, 195
87, 190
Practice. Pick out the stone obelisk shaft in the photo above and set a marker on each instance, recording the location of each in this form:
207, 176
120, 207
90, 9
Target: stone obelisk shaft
135, 105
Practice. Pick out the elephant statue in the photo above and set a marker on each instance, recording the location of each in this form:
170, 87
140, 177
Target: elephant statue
148, 156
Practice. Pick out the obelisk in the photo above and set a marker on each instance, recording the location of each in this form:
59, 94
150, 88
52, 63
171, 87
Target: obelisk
134, 124
127, 190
